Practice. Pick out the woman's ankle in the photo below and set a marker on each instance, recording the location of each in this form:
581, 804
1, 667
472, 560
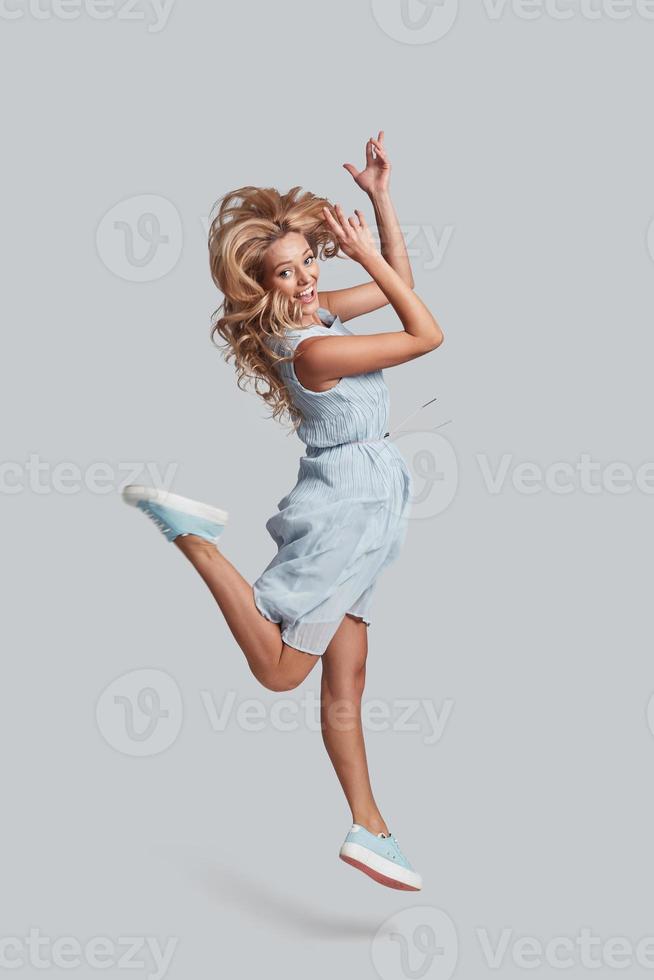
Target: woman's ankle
194, 545
373, 822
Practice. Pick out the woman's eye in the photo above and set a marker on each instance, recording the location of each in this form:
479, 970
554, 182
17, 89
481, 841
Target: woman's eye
309, 258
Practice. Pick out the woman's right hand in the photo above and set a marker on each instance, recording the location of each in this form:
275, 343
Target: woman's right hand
353, 236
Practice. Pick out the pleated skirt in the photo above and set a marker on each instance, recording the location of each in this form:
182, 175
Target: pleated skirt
342, 523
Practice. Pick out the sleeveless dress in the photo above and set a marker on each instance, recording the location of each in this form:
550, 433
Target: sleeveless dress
346, 517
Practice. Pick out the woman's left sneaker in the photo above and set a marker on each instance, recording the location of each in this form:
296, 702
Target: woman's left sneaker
176, 516
380, 857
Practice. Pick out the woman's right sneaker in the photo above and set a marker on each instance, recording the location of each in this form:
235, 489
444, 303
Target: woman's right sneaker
176, 516
380, 857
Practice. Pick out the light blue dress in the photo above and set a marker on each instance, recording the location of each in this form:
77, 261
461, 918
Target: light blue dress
346, 517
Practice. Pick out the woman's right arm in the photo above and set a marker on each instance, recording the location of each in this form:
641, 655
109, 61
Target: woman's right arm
416, 318
330, 358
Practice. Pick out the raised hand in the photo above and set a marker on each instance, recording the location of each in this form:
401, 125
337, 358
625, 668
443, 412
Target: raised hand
352, 234
374, 178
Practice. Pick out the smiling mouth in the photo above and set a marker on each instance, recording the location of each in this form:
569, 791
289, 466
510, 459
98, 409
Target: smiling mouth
307, 295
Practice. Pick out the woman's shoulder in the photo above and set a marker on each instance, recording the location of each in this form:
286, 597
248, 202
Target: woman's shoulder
333, 322
291, 338
329, 325
327, 321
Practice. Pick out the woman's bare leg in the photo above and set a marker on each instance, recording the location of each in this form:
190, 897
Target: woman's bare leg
276, 665
280, 667
341, 690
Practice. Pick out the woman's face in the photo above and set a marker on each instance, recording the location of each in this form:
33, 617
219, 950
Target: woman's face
291, 267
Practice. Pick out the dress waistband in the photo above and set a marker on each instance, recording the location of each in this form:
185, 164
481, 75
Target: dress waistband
351, 442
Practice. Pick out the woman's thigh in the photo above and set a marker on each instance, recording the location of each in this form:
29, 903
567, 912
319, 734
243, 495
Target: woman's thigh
343, 662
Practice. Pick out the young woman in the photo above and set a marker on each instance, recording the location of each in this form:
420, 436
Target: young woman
346, 517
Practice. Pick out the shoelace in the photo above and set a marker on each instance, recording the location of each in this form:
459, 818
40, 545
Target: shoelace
161, 524
395, 851
397, 847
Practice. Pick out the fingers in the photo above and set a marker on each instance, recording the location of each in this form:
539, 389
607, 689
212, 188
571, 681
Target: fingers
358, 222
347, 223
341, 224
333, 223
338, 223
381, 152
340, 214
330, 214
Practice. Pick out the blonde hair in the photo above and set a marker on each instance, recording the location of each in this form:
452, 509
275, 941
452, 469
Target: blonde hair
247, 222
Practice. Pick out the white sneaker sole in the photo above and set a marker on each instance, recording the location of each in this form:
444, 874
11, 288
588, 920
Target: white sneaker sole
133, 494
380, 868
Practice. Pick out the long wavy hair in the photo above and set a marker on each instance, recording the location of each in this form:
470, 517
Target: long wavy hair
246, 222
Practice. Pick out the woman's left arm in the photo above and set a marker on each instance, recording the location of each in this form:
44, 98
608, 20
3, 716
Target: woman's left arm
391, 238
374, 180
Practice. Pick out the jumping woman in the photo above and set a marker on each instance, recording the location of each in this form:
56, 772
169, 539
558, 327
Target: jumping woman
346, 517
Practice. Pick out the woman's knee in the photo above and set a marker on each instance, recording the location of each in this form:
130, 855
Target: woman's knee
345, 683
278, 681
289, 672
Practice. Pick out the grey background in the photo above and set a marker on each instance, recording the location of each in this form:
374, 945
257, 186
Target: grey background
531, 141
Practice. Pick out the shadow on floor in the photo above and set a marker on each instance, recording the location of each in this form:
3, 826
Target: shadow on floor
266, 903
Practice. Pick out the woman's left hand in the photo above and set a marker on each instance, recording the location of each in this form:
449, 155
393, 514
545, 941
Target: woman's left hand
376, 175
